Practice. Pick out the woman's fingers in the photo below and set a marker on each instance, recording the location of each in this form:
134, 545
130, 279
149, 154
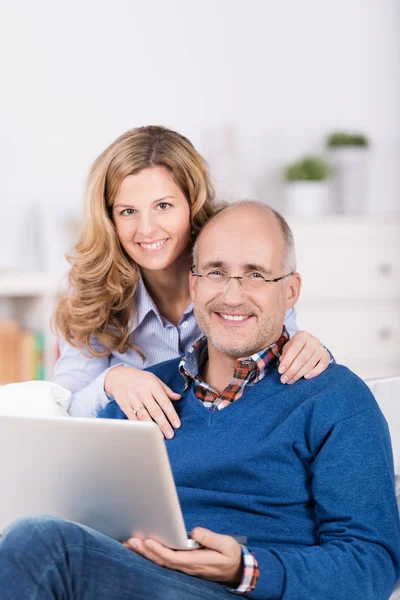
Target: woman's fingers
154, 405
299, 369
166, 405
144, 397
302, 356
151, 411
320, 367
171, 394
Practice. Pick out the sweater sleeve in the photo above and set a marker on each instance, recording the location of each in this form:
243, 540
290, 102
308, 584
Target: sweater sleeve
357, 522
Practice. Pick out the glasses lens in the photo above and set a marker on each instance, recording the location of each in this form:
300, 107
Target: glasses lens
253, 281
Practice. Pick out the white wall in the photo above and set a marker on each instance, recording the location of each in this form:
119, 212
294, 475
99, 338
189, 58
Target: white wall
275, 75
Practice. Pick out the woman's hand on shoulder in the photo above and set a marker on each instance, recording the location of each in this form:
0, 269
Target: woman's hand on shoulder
143, 397
303, 356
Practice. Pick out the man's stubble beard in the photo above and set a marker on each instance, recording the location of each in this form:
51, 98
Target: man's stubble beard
261, 339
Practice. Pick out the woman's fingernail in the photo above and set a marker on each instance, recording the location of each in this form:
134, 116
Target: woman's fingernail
282, 368
284, 379
169, 434
176, 423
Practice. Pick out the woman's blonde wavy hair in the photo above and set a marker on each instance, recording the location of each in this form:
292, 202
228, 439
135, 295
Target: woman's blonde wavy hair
103, 278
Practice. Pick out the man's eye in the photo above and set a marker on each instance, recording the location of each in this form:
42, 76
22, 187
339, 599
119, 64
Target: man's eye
215, 274
128, 211
255, 276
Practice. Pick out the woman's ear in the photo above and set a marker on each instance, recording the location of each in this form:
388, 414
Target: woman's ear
293, 289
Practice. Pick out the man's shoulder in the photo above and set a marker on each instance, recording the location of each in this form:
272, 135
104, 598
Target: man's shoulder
167, 371
343, 391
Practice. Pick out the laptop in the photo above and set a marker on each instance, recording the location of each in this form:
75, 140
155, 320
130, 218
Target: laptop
111, 475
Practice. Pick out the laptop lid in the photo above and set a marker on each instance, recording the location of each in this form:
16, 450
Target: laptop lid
111, 475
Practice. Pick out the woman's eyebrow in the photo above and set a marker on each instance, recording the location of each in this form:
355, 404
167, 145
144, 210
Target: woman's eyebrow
163, 198
123, 205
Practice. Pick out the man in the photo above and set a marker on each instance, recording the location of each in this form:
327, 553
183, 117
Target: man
305, 471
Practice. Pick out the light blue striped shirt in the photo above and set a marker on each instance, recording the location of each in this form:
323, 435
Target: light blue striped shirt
157, 338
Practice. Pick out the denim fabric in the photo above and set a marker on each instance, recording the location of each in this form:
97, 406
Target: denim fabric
43, 558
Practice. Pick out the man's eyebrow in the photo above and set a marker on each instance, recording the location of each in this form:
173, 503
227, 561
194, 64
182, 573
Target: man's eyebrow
258, 267
219, 264
214, 264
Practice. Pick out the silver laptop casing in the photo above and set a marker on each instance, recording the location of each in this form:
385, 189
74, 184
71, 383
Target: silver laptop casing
111, 475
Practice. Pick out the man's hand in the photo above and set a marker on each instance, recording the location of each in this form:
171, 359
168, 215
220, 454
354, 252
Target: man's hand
219, 560
303, 356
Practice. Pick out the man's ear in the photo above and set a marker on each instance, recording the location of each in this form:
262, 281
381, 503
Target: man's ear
293, 289
192, 285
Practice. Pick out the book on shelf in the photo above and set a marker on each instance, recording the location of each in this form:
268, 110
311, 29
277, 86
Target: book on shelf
21, 353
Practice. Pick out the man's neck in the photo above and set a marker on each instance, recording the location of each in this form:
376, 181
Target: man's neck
219, 368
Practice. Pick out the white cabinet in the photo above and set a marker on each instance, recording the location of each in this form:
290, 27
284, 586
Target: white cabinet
351, 289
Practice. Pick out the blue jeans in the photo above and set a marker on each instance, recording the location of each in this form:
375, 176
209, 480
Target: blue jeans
43, 558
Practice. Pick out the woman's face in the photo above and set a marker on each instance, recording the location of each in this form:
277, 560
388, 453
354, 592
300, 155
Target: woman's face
152, 218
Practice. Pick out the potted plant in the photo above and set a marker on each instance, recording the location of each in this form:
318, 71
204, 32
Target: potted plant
349, 158
307, 193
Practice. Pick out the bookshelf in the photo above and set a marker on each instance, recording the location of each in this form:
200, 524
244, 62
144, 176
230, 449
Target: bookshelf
27, 301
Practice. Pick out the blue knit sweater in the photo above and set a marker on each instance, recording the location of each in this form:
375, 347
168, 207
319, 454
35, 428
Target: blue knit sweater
304, 471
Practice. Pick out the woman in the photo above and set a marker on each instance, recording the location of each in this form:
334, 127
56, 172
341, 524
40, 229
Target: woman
148, 195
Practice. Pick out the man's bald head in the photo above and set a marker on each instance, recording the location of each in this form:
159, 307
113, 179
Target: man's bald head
257, 210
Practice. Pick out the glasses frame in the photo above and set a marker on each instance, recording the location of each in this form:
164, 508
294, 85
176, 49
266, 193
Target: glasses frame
239, 278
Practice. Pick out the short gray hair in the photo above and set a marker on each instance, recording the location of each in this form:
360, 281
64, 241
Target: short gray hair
289, 257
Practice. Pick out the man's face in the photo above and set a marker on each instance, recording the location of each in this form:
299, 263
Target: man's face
240, 320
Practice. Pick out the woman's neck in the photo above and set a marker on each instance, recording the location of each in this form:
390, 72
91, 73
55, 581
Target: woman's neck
169, 288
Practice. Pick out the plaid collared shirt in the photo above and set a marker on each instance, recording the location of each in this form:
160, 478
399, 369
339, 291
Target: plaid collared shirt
247, 371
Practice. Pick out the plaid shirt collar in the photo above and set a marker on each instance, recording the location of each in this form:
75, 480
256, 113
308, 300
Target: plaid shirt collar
249, 369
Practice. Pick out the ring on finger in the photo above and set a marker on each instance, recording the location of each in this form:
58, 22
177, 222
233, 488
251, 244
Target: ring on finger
136, 410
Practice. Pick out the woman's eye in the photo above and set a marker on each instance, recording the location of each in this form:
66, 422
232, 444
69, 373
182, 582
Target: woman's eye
163, 205
255, 276
128, 212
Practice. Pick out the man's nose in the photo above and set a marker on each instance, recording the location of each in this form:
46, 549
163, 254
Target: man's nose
233, 291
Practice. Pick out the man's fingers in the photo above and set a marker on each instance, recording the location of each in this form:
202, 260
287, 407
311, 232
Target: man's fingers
213, 541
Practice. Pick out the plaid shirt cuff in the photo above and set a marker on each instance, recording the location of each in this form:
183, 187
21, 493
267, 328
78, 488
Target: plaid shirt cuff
250, 573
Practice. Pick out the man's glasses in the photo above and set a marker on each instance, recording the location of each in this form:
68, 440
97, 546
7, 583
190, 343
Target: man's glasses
250, 281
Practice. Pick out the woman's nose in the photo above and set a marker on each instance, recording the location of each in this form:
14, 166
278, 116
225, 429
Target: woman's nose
146, 225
